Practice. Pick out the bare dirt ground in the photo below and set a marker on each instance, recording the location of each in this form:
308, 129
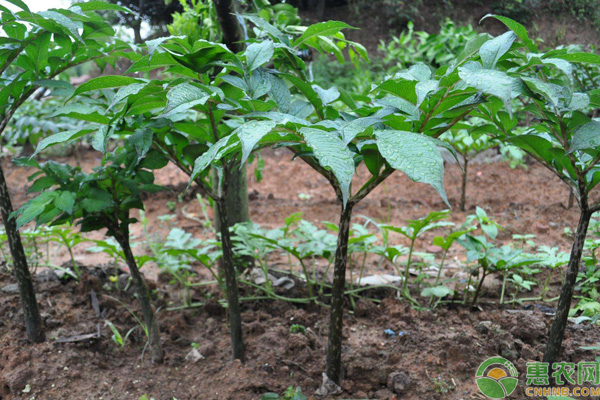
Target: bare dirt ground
434, 358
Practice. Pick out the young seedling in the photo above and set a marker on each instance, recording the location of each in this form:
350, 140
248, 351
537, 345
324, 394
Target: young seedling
413, 231
561, 135
102, 199
39, 47
469, 140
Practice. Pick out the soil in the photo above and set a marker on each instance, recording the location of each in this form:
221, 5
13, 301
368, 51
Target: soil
434, 356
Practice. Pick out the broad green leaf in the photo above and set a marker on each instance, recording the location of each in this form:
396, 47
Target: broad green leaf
321, 29
280, 93
437, 291
125, 92
105, 82
492, 50
100, 5
153, 44
258, 54
586, 58
21, 4
470, 49
67, 23
415, 155
65, 202
33, 208
250, 134
65, 137
424, 88
183, 97
333, 154
97, 200
517, 28
327, 96
215, 151
551, 92
496, 83
141, 140
586, 137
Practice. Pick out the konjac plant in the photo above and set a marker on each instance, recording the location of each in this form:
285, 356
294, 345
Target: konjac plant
102, 199
36, 48
560, 133
334, 132
210, 113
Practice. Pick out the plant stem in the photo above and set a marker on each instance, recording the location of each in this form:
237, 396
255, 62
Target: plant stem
33, 321
545, 288
407, 271
476, 295
504, 274
235, 317
557, 330
437, 278
150, 319
336, 323
463, 192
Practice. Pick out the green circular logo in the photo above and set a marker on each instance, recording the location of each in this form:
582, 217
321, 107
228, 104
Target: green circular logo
497, 377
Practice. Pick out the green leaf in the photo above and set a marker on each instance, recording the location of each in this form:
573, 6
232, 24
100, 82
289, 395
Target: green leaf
321, 29
437, 291
327, 96
97, 200
586, 137
250, 134
334, 155
280, 93
214, 152
517, 28
183, 97
42, 184
65, 137
153, 44
586, 58
549, 91
125, 92
65, 202
141, 141
258, 54
496, 83
491, 51
415, 155
65, 22
33, 208
105, 82
100, 5
21, 4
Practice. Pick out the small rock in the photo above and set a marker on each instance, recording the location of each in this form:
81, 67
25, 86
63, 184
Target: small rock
483, 327
253, 195
13, 288
540, 227
194, 356
434, 249
18, 378
207, 349
553, 224
384, 394
399, 382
